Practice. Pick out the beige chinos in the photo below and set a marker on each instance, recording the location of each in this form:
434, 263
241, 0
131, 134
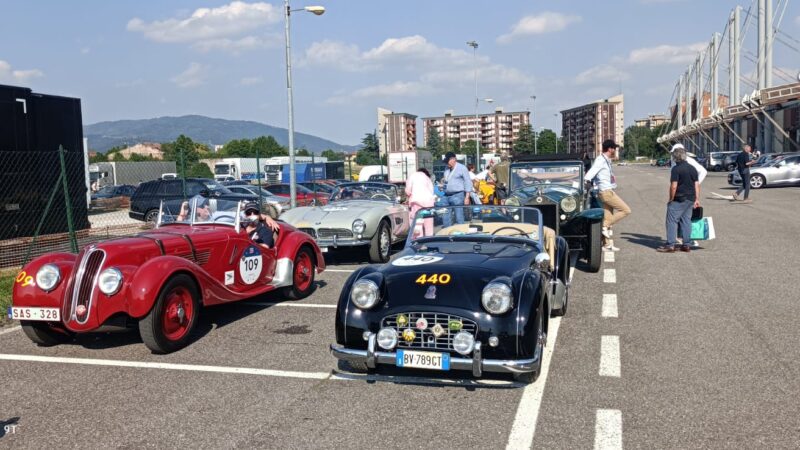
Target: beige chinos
615, 208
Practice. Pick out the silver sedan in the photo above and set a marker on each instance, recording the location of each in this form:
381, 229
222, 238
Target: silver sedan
781, 172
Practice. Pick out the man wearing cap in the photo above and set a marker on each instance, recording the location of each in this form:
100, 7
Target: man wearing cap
701, 175
457, 187
255, 229
603, 176
684, 194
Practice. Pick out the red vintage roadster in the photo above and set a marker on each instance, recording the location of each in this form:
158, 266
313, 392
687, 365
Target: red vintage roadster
160, 279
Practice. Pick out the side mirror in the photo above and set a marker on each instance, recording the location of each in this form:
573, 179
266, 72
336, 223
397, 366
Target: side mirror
542, 262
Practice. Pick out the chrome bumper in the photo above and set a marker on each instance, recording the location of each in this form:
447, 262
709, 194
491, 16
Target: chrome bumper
477, 365
335, 243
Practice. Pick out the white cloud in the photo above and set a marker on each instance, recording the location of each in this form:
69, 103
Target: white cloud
333, 54
193, 76
382, 91
251, 81
666, 54
546, 22
7, 74
600, 74
213, 28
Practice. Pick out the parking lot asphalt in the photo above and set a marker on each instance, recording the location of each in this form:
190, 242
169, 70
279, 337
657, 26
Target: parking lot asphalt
656, 351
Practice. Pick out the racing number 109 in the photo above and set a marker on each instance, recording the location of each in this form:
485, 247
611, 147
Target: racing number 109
251, 264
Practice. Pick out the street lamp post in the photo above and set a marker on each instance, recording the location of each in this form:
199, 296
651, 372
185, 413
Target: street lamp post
474, 46
318, 11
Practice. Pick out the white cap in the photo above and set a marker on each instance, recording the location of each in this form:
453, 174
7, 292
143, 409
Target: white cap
676, 146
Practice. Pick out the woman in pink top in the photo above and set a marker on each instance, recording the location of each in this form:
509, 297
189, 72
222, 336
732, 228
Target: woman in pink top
419, 189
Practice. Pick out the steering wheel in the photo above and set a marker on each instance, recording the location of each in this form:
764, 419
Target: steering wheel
380, 195
224, 219
509, 228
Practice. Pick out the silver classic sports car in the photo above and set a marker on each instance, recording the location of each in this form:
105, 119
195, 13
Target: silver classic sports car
357, 214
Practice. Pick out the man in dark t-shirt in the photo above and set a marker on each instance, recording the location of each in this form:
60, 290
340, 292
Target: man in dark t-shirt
743, 163
684, 195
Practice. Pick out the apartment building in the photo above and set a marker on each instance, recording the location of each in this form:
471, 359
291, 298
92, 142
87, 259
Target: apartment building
585, 127
496, 131
652, 121
397, 132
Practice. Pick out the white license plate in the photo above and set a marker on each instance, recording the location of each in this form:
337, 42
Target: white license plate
45, 314
323, 249
422, 360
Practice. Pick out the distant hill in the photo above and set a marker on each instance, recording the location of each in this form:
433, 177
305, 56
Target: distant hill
104, 135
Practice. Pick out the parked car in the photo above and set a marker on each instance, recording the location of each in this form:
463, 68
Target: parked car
379, 178
718, 161
766, 159
146, 200
663, 162
112, 197
475, 296
304, 196
158, 280
358, 215
318, 187
271, 204
554, 185
782, 171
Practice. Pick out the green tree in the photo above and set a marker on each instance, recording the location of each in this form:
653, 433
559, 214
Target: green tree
237, 148
267, 147
434, 144
302, 152
641, 141
184, 151
368, 154
200, 170
99, 157
333, 155
546, 142
524, 144
137, 157
452, 145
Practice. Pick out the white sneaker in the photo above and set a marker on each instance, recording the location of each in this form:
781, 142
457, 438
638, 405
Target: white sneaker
610, 248
607, 233
694, 244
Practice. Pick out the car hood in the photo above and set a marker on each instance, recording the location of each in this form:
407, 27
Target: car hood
332, 212
554, 192
469, 274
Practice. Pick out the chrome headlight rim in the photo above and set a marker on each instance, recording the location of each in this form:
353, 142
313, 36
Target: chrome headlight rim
359, 226
387, 338
463, 338
48, 284
493, 290
513, 201
113, 276
373, 294
568, 204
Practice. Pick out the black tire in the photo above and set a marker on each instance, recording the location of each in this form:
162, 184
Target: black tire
730, 167
530, 377
595, 247
152, 327
757, 181
151, 216
303, 271
379, 251
43, 334
563, 310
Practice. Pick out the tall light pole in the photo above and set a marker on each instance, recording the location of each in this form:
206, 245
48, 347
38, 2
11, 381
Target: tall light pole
474, 46
318, 11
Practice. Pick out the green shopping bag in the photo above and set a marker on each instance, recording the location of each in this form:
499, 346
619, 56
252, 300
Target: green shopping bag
703, 229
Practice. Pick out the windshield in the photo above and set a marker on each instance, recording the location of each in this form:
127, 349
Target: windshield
365, 191
222, 170
485, 223
273, 168
536, 173
200, 210
106, 190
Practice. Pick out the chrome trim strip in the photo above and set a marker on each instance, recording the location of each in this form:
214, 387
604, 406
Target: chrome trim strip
477, 360
487, 365
79, 282
76, 285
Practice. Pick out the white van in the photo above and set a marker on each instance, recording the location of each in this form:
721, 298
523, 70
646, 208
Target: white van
368, 171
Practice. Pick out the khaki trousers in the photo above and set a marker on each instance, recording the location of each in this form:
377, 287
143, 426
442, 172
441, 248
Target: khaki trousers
615, 208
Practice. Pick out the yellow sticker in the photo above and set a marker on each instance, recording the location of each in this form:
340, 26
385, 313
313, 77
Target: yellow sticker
435, 278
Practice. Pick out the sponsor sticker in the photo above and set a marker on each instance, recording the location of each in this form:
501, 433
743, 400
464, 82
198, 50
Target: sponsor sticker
228, 278
250, 265
416, 260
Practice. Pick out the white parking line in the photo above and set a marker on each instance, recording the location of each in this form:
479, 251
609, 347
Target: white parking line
524, 427
10, 330
289, 304
608, 430
609, 356
609, 275
609, 256
261, 372
340, 270
610, 305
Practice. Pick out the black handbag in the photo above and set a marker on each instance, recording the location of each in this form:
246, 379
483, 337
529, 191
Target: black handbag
697, 213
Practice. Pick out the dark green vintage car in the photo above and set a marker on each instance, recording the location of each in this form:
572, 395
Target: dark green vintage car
554, 184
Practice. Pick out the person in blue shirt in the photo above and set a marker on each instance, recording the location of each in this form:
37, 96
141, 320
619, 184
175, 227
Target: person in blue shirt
255, 229
457, 187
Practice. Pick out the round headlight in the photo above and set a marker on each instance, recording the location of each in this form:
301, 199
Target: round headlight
47, 277
109, 281
568, 204
359, 226
512, 201
496, 298
364, 294
387, 338
463, 342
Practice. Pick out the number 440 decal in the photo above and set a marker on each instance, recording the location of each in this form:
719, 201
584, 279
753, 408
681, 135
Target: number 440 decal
434, 278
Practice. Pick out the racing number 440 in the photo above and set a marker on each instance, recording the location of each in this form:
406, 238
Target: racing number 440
434, 278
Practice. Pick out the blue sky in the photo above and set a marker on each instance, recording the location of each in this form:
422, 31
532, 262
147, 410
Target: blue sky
142, 59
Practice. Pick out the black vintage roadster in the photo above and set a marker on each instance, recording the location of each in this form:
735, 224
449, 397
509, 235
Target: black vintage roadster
554, 185
473, 290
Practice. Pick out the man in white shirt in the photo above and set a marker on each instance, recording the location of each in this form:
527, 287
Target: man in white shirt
603, 176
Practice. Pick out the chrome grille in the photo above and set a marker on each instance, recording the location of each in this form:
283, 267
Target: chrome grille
85, 281
309, 231
329, 233
425, 339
